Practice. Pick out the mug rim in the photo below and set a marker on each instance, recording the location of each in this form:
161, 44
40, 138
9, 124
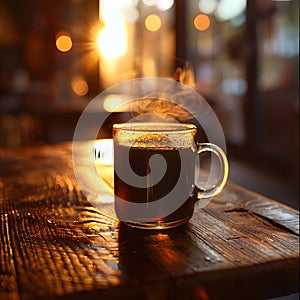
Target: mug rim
161, 127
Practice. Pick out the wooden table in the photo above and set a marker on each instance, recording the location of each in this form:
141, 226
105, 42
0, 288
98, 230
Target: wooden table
54, 244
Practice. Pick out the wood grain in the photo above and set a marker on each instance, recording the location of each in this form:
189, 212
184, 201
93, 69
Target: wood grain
54, 243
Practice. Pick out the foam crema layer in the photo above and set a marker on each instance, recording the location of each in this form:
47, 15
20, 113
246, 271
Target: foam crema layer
154, 135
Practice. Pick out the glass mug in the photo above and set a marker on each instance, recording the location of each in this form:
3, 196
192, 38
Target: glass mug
154, 173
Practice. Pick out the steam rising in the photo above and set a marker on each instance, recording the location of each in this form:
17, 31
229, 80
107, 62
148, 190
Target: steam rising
168, 106
185, 75
156, 108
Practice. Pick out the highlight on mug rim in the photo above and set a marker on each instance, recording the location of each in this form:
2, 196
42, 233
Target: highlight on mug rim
147, 127
155, 134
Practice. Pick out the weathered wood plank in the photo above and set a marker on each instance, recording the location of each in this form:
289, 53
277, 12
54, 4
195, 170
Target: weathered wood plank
216, 258
239, 198
64, 245
54, 243
8, 279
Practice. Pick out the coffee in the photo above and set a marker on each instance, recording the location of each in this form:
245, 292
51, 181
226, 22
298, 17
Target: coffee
180, 170
154, 173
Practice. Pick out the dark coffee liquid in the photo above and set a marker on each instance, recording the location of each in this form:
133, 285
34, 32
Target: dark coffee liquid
179, 172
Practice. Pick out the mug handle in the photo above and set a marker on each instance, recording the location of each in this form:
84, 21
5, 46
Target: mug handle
206, 193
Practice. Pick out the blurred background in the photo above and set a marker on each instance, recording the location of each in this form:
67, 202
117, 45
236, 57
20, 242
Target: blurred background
242, 56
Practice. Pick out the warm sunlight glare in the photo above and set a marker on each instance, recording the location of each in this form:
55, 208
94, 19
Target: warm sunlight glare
112, 40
